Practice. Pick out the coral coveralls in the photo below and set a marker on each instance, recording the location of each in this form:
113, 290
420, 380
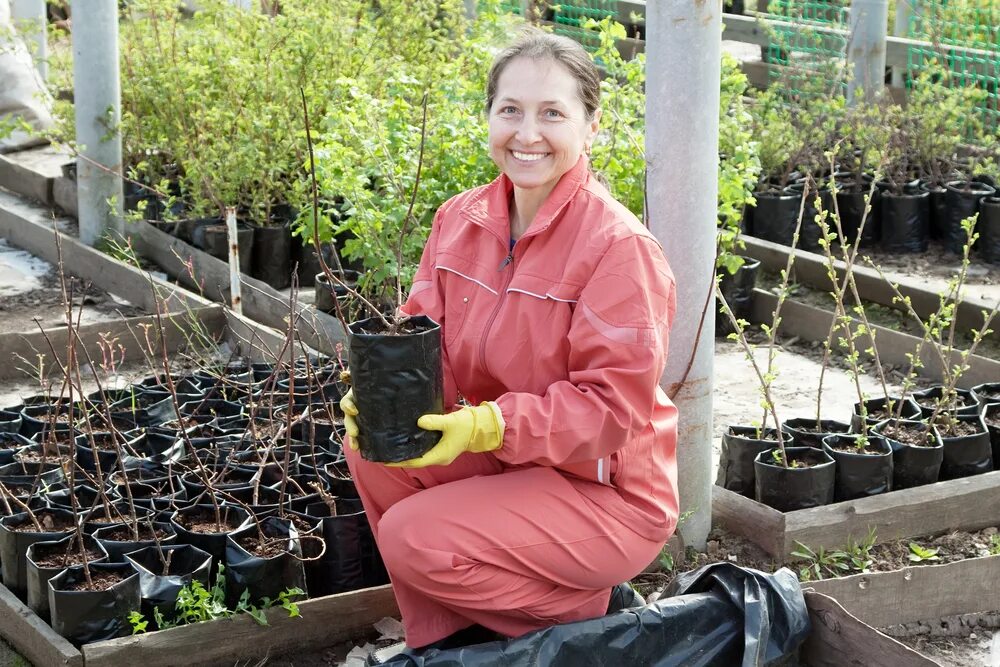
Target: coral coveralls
567, 332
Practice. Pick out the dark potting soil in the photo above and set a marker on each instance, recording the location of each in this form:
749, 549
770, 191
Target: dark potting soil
271, 429
180, 424
70, 557
208, 526
99, 581
266, 548
867, 449
802, 460
914, 437
50, 524
37, 457
992, 420
125, 534
957, 429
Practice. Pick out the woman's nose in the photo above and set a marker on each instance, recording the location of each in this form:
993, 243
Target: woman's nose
528, 131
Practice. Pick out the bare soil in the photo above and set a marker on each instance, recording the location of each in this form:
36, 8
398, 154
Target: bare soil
956, 429
267, 548
125, 534
908, 436
68, 558
99, 581
49, 522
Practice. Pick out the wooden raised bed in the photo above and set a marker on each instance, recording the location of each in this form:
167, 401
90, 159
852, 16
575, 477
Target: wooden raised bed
970, 503
324, 621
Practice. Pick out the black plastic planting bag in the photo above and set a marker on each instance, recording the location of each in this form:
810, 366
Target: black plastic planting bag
720, 615
913, 465
14, 545
233, 518
789, 489
860, 474
92, 616
38, 576
264, 577
905, 222
159, 589
737, 289
961, 202
396, 379
852, 209
989, 229
938, 209
810, 232
776, 216
351, 560
740, 446
802, 431
967, 455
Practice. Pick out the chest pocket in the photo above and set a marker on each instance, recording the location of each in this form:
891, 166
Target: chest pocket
467, 294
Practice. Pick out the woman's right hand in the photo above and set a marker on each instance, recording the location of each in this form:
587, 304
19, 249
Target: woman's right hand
350, 423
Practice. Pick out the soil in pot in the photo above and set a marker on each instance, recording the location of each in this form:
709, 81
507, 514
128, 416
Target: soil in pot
917, 452
805, 432
864, 465
163, 572
85, 612
989, 229
47, 559
776, 216
879, 409
196, 526
740, 446
737, 289
967, 448
17, 533
961, 201
807, 480
396, 379
927, 400
120, 540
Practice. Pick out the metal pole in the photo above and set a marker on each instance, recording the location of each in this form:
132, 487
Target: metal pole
235, 287
97, 99
683, 62
901, 28
31, 17
866, 48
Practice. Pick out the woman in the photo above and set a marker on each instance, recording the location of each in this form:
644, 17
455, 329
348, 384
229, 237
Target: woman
558, 480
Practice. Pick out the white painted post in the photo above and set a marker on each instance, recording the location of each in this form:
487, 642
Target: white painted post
683, 62
866, 48
235, 287
97, 98
31, 17
901, 28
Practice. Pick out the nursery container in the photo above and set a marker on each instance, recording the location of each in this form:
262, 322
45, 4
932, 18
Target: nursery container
786, 489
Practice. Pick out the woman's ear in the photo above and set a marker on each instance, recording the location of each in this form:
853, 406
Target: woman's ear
594, 126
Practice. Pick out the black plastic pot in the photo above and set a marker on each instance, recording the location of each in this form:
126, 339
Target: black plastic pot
851, 204
272, 254
789, 489
322, 428
860, 474
737, 288
740, 447
913, 465
810, 232
961, 202
14, 545
117, 540
351, 559
214, 239
339, 478
37, 474
234, 519
325, 295
802, 432
991, 417
938, 209
38, 576
35, 419
967, 455
396, 379
875, 409
989, 229
986, 393
83, 617
905, 222
305, 258
968, 405
776, 216
10, 422
159, 589
264, 577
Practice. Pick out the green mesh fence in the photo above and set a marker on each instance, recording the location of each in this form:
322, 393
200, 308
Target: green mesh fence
966, 39
813, 64
571, 16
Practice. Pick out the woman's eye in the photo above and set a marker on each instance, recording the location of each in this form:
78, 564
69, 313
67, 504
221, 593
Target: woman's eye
553, 113
508, 110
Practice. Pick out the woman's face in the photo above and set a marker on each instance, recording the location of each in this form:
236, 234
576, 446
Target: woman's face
538, 124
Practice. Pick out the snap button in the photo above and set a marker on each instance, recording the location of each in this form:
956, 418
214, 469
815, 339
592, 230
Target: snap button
465, 300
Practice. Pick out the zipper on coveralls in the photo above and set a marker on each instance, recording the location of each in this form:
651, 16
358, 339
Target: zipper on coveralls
508, 260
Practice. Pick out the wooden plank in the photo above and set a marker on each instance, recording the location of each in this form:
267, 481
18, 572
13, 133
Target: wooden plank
812, 323
29, 226
261, 303
838, 637
810, 269
19, 349
918, 593
749, 519
969, 503
325, 621
32, 637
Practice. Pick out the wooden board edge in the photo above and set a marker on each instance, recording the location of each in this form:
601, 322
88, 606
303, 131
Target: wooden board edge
324, 621
747, 518
883, 599
836, 632
32, 637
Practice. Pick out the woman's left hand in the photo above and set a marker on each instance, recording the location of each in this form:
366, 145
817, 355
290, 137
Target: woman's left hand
471, 429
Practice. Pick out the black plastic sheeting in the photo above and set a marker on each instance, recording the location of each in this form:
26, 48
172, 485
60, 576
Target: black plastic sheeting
787, 489
396, 379
802, 431
989, 229
159, 590
961, 202
264, 577
740, 446
967, 455
776, 216
737, 289
860, 474
719, 615
92, 616
14, 546
913, 465
905, 222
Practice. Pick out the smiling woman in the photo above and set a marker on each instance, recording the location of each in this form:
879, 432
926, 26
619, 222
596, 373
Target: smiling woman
555, 476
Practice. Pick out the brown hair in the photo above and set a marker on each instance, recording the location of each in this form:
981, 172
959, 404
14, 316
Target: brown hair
538, 45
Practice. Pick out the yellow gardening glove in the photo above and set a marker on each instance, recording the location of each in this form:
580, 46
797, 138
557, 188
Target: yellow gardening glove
471, 429
350, 423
